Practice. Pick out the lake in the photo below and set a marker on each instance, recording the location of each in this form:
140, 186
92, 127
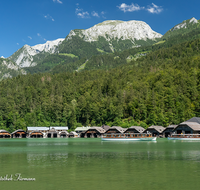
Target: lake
91, 164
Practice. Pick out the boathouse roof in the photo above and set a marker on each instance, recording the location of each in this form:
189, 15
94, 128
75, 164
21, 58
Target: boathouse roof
171, 126
137, 128
193, 125
59, 128
120, 129
160, 129
37, 128
99, 129
73, 133
82, 128
19, 130
105, 127
4, 131
194, 119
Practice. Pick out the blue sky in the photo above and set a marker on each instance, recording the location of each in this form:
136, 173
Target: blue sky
36, 21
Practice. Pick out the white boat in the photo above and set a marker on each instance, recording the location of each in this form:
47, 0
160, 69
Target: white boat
185, 137
128, 137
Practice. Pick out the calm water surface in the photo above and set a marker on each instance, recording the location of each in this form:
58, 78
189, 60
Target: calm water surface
90, 164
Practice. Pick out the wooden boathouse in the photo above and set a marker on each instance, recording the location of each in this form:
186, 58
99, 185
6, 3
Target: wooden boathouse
187, 128
94, 132
155, 130
4, 134
73, 134
52, 133
169, 130
36, 134
43, 131
19, 134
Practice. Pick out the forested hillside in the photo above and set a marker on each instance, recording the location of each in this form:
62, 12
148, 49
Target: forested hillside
160, 88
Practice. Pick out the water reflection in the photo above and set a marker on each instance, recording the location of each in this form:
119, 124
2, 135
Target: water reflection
92, 164
46, 159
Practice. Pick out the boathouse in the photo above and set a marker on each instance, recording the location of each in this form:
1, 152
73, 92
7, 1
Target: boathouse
115, 129
187, 128
155, 130
73, 134
42, 130
63, 134
36, 134
94, 132
19, 134
135, 129
4, 134
52, 133
81, 129
169, 130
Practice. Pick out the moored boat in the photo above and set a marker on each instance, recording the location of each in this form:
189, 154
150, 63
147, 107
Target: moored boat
128, 137
194, 137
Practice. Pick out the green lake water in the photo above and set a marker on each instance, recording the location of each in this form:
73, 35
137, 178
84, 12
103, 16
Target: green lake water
91, 164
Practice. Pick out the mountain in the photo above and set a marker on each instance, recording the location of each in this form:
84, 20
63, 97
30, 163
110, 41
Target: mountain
114, 35
108, 36
77, 50
9, 69
28, 56
185, 27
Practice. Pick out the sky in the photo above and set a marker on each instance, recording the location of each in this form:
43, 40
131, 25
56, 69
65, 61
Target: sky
34, 22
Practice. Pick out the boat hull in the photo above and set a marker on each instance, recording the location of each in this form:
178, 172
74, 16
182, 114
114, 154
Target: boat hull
129, 139
184, 139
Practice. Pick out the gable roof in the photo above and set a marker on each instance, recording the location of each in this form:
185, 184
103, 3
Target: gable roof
193, 125
160, 129
99, 129
105, 127
170, 127
4, 131
137, 128
120, 129
19, 130
194, 119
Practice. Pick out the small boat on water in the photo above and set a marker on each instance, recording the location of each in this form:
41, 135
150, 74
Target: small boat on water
187, 137
128, 137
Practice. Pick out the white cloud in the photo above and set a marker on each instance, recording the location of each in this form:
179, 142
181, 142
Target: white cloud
135, 7
130, 8
81, 13
30, 37
57, 1
154, 8
17, 43
95, 14
38, 34
49, 17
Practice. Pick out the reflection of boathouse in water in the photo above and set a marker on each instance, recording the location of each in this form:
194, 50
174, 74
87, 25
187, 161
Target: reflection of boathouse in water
4, 134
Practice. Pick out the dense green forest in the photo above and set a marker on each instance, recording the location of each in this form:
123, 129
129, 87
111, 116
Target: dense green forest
160, 88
